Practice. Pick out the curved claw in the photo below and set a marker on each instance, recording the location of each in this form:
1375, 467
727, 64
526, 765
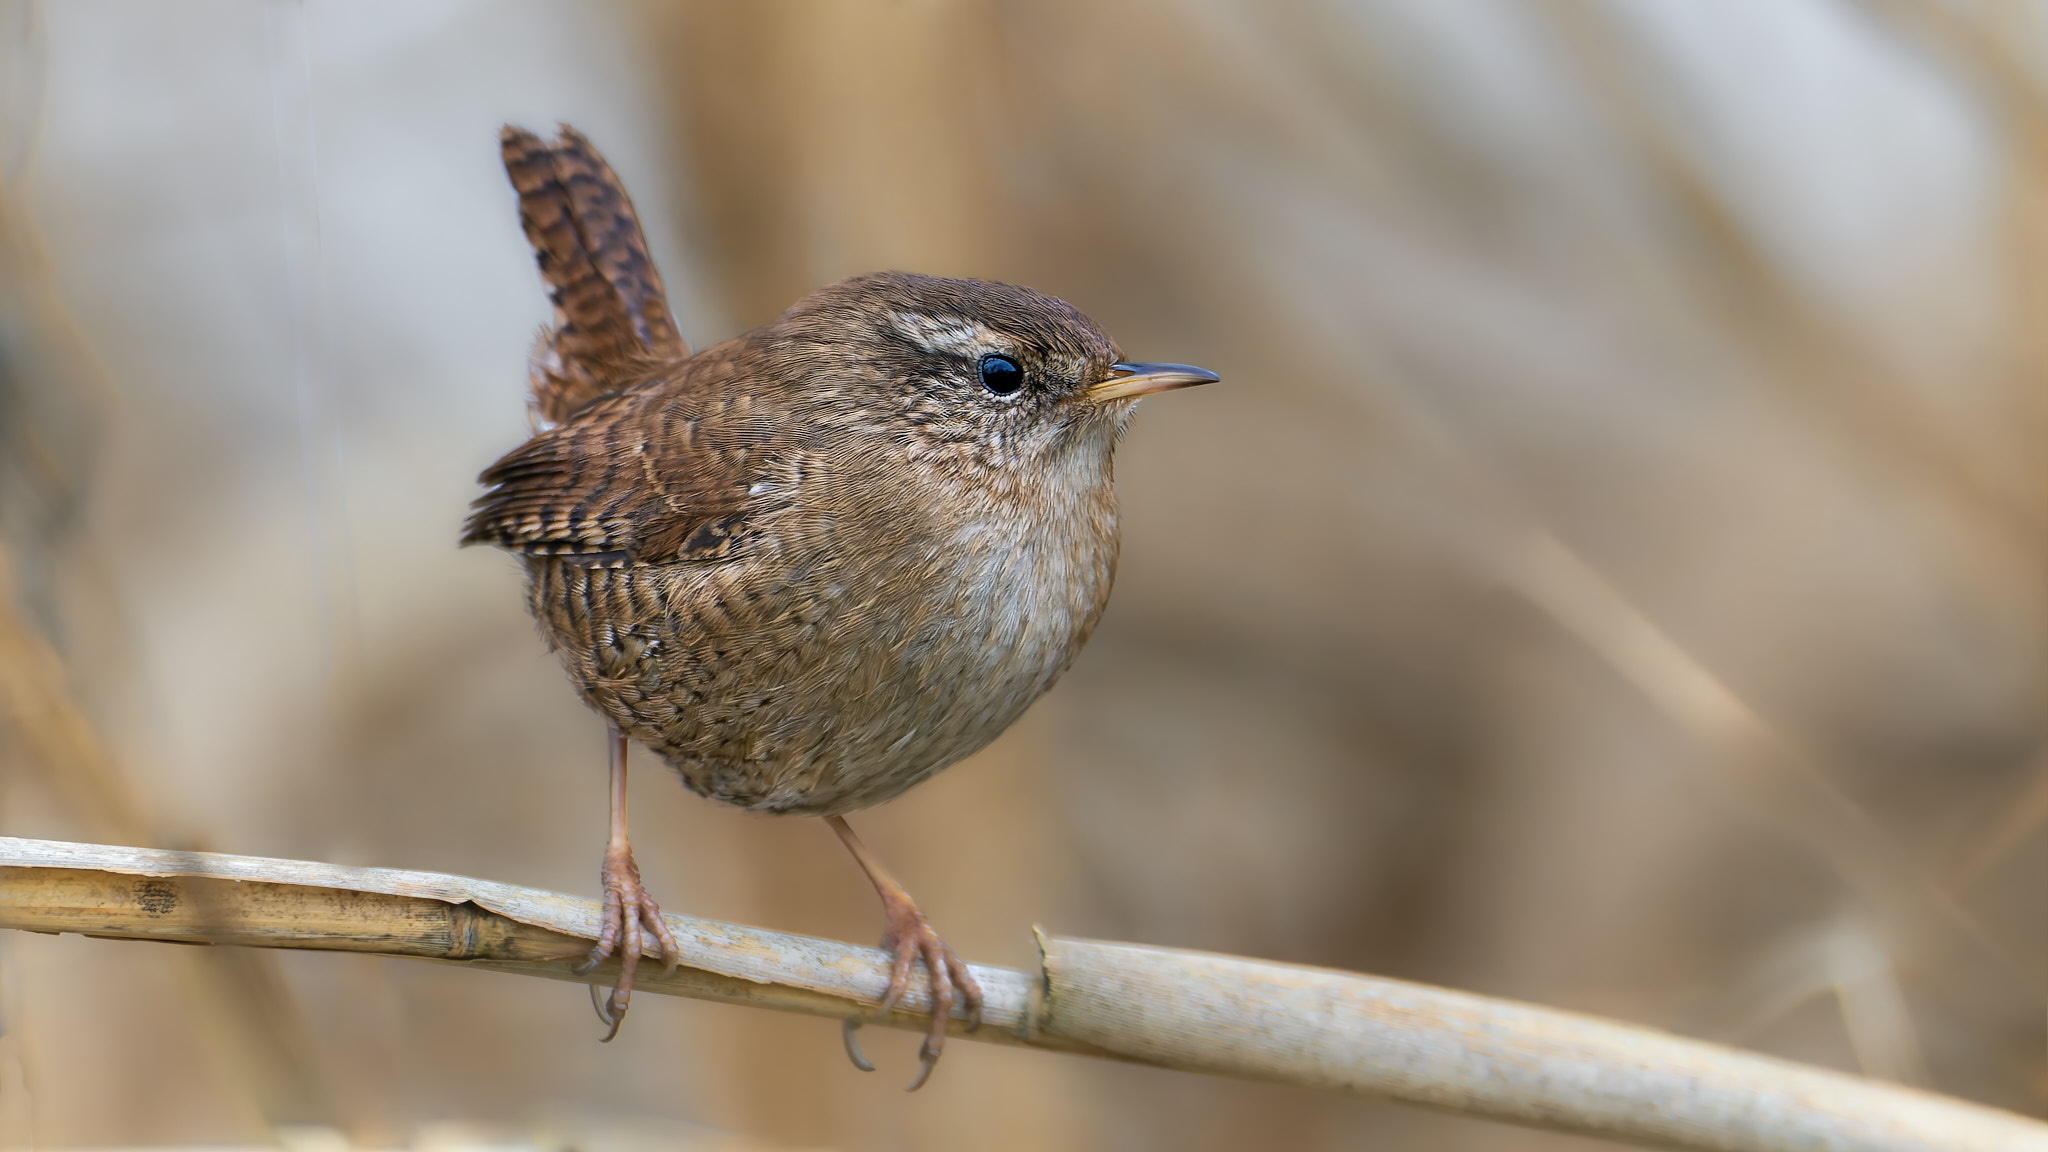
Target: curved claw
910, 937
847, 1028
927, 1059
907, 935
616, 1007
607, 1014
629, 917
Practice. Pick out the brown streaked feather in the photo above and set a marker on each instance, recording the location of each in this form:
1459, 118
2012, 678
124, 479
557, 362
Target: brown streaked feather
611, 310
629, 478
816, 563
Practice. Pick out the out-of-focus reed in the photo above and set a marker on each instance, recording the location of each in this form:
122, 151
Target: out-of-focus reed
1610, 575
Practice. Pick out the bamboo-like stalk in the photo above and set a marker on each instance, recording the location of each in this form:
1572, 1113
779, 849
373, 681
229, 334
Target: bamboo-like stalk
1318, 1028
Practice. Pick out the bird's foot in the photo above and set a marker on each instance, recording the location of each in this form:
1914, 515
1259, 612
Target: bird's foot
907, 936
629, 919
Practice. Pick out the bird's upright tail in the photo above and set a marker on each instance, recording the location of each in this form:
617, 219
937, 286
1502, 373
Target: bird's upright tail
610, 308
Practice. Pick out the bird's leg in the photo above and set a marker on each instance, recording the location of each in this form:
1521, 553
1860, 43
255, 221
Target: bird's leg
907, 936
630, 915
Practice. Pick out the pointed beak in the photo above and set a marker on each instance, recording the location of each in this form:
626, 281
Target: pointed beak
1129, 381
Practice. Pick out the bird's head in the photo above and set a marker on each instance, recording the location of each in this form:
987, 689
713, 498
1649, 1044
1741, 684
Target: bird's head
992, 374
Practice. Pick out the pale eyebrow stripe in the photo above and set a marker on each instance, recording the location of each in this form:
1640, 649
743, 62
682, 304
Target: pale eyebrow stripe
949, 335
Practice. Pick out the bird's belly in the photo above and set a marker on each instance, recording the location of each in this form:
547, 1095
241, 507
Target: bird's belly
822, 687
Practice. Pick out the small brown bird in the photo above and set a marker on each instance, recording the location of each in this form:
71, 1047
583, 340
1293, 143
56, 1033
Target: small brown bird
814, 564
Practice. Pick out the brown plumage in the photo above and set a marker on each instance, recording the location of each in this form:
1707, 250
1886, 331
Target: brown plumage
610, 308
814, 564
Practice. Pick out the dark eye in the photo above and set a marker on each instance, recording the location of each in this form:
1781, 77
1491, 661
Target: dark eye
1000, 375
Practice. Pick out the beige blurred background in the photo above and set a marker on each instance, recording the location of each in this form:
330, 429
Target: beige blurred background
1611, 573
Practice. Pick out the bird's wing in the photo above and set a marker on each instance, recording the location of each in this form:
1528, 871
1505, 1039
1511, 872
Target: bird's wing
611, 311
664, 471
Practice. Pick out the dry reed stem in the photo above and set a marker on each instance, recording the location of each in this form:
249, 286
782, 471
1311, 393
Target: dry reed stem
1318, 1028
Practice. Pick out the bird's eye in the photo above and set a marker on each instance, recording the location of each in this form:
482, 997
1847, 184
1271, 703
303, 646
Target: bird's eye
1000, 375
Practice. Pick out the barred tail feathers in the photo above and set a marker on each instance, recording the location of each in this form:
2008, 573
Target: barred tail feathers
610, 306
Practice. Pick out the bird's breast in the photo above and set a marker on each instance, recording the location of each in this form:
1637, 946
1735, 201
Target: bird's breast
1027, 592
956, 626
865, 640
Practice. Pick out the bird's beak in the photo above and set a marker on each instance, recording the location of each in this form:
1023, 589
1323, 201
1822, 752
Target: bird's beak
1128, 381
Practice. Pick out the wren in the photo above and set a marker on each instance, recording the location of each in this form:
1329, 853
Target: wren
815, 564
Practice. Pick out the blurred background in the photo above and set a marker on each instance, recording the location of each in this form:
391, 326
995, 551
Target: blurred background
1611, 574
